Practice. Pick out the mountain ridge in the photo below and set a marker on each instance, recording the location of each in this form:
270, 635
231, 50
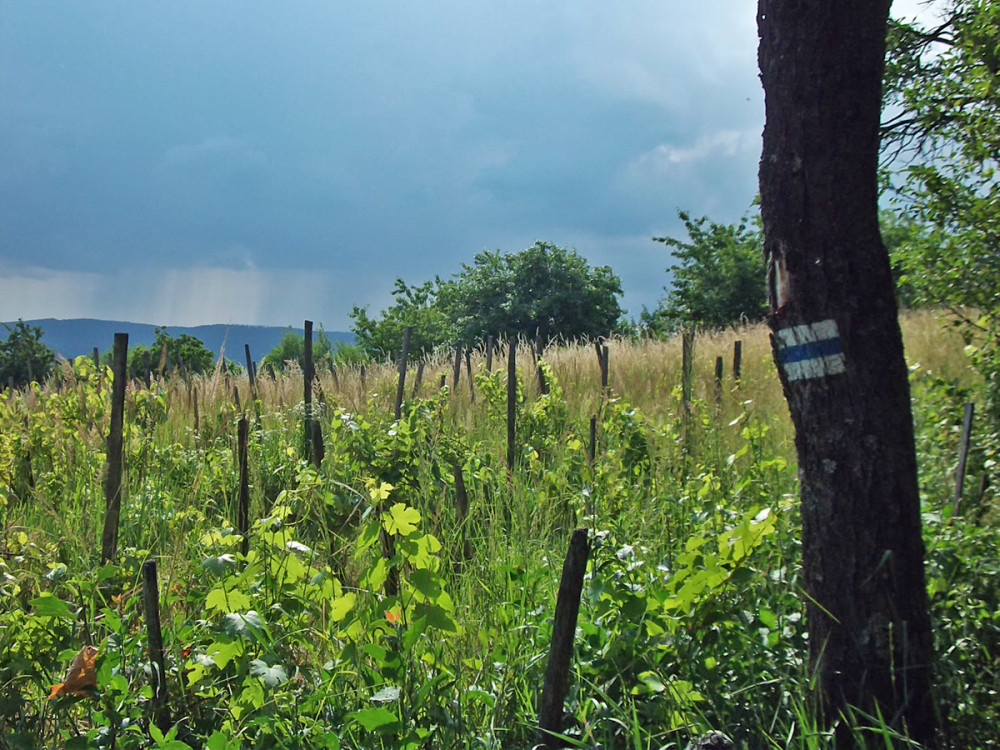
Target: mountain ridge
73, 337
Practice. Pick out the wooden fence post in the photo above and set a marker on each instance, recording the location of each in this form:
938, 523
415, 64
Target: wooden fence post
963, 455
462, 506
687, 368
489, 354
113, 460
718, 383
307, 382
418, 379
511, 401
543, 385
737, 360
550, 709
154, 636
401, 384
468, 372
457, 371
243, 501
250, 373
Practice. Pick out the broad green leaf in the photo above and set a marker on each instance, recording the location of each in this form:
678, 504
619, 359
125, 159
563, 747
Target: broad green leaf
219, 600
242, 624
380, 493
218, 564
427, 584
48, 605
341, 606
401, 519
271, 675
375, 719
437, 617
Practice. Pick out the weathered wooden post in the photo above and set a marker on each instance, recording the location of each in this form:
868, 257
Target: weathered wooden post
550, 707
336, 378
97, 358
243, 498
468, 372
687, 368
489, 354
737, 360
307, 382
543, 385
401, 384
418, 378
113, 460
250, 373
462, 506
511, 401
154, 638
457, 371
963, 455
718, 383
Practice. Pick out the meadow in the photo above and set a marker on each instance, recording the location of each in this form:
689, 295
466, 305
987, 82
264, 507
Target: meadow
401, 594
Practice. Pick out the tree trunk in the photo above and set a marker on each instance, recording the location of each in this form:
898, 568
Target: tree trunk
837, 342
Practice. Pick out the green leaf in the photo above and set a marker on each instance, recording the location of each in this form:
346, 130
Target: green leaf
375, 719
427, 584
218, 564
242, 624
48, 605
767, 617
219, 741
436, 616
341, 606
401, 520
271, 675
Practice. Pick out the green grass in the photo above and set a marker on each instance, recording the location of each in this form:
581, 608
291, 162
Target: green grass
690, 617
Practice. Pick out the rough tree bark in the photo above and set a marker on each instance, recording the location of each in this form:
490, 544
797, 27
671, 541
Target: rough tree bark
837, 342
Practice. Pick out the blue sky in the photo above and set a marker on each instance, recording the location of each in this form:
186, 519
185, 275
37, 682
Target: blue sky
257, 162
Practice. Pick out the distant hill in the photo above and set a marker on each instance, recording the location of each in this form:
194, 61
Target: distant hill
77, 336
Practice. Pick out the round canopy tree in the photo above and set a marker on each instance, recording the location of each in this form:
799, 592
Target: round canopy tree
544, 291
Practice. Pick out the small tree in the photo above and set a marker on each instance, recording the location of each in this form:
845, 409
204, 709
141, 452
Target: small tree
545, 291
417, 306
185, 352
291, 348
23, 356
718, 277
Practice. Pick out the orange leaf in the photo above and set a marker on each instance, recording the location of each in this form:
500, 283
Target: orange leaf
81, 677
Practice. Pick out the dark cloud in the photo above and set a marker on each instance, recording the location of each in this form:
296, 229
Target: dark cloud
353, 143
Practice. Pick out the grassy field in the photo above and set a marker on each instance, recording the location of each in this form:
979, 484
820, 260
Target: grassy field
372, 610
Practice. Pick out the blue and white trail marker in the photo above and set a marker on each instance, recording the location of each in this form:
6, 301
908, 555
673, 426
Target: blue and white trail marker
810, 351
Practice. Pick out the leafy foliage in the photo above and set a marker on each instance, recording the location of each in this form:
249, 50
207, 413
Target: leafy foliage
369, 611
942, 124
292, 346
718, 278
417, 306
544, 291
23, 356
186, 353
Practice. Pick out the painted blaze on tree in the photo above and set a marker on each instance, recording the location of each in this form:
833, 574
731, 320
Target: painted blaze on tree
839, 349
